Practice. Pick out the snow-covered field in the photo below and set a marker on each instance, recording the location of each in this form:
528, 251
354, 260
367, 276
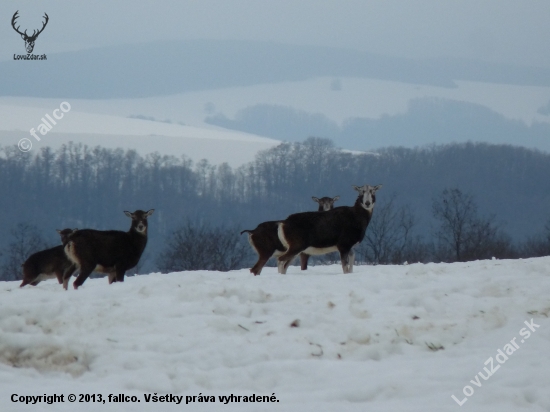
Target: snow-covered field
112, 131
112, 123
360, 342
357, 97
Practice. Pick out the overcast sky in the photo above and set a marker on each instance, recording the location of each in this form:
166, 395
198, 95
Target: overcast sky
512, 31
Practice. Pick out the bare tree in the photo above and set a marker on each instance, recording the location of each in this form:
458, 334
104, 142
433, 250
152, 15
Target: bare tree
389, 237
456, 213
201, 247
462, 234
27, 239
537, 245
487, 240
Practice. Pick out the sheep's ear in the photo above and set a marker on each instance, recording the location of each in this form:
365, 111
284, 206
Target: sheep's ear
315, 199
335, 198
377, 187
58, 231
128, 214
149, 212
360, 189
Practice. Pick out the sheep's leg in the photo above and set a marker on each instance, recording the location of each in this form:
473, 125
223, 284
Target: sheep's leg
85, 271
346, 258
293, 248
120, 274
351, 260
67, 275
284, 265
257, 268
280, 265
59, 276
304, 258
287, 257
111, 276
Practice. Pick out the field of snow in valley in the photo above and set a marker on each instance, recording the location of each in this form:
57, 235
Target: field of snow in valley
111, 131
385, 338
355, 97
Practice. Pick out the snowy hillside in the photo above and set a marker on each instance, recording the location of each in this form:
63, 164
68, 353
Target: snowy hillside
353, 97
385, 338
180, 126
113, 131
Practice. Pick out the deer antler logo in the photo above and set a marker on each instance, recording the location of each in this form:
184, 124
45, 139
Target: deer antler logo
29, 40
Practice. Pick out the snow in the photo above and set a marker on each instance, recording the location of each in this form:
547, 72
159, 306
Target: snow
358, 97
107, 122
361, 341
113, 131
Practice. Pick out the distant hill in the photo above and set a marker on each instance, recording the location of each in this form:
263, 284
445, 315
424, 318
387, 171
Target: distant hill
165, 68
428, 120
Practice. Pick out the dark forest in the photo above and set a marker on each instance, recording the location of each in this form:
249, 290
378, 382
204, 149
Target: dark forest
503, 190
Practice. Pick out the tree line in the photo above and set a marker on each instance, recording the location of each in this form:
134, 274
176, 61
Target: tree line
439, 203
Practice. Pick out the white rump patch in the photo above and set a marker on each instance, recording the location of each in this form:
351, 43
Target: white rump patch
281, 234
252, 243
